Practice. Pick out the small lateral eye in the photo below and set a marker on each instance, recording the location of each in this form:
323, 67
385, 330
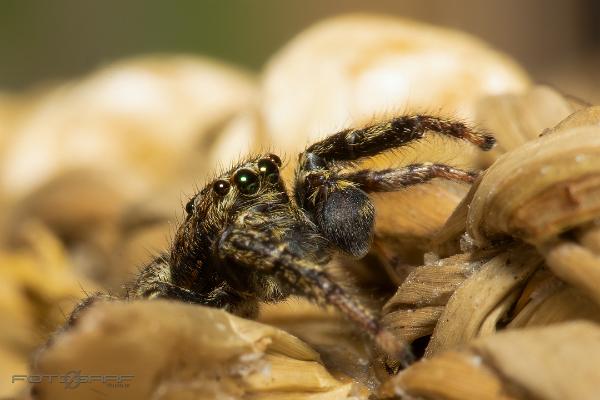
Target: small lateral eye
269, 169
221, 187
190, 207
246, 181
275, 158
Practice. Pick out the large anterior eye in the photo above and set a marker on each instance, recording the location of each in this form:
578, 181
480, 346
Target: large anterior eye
269, 170
246, 181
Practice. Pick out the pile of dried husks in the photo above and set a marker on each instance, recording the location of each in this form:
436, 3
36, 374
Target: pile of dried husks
496, 287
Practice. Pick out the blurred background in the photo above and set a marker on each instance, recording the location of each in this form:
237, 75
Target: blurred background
558, 42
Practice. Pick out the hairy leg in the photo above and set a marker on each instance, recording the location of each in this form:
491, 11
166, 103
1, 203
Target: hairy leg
351, 145
304, 278
389, 180
154, 282
84, 305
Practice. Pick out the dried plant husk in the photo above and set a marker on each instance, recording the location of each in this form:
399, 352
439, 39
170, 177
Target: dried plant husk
449, 376
539, 190
38, 289
517, 118
555, 362
417, 305
457, 299
344, 350
476, 307
175, 350
543, 190
549, 301
535, 213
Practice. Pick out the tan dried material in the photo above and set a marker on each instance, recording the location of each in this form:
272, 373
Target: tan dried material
354, 68
536, 210
543, 189
451, 376
554, 363
415, 309
483, 299
540, 189
135, 119
515, 119
189, 352
518, 118
37, 290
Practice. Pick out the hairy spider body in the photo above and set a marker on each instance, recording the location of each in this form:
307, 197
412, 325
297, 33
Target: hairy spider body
245, 240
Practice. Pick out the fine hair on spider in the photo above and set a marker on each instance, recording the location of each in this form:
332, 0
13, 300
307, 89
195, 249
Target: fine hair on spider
246, 239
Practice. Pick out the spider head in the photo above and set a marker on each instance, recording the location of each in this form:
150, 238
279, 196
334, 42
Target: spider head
252, 183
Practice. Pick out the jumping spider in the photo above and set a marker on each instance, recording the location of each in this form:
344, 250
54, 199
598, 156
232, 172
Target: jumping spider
245, 240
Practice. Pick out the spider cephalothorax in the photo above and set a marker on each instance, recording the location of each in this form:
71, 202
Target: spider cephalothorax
245, 240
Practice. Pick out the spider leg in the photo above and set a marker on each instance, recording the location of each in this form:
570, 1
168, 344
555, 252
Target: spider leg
340, 207
259, 251
84, 305
155, 282
351, 145
390, 180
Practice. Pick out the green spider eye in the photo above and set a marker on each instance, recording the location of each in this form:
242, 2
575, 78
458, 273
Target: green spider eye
246, 181
269, 170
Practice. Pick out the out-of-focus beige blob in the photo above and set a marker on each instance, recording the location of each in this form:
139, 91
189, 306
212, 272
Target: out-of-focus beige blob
140, 120
348, 70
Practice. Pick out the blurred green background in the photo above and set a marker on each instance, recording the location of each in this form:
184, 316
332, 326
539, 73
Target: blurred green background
558, 41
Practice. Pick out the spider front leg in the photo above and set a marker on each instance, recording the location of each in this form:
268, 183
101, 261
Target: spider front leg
337, 202
155, 282
261, 254
350, 145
